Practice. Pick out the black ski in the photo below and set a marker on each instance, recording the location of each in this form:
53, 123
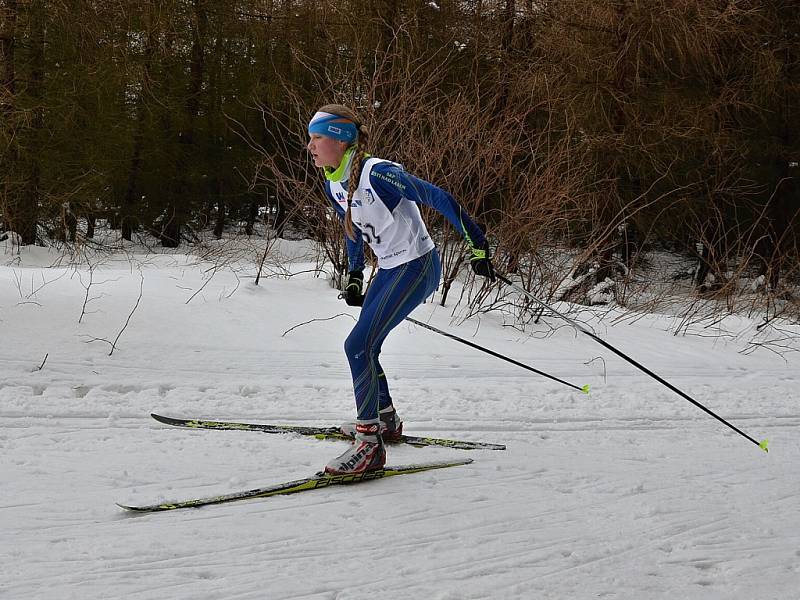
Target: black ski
322, 433
320, 480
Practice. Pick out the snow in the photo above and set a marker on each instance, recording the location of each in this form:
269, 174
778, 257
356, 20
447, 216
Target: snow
629, 492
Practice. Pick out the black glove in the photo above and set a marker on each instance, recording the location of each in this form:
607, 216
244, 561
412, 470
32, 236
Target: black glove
353, 292
480, 262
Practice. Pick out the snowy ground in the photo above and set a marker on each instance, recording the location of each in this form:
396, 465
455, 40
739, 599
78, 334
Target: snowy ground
630, 492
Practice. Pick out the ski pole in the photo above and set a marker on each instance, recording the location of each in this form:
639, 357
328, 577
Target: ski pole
641, 367
584, 389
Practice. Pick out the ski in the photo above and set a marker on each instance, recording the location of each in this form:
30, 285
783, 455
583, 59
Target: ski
320, 480
321, 433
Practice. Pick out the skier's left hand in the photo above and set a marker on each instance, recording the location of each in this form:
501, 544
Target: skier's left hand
353, 293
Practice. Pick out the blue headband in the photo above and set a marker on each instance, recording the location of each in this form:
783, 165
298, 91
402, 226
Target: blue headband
334, 126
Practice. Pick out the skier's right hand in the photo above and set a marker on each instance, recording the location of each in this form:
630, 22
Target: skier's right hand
353, 293
481, 262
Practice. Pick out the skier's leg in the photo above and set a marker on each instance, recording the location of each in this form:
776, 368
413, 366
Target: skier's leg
397, 292
391, 298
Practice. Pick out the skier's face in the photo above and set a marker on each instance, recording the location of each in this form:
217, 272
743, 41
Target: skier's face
326, 151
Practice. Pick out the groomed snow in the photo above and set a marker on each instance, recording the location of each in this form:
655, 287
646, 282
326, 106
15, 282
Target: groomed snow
630, 492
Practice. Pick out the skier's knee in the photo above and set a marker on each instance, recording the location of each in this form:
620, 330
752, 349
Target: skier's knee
354, 346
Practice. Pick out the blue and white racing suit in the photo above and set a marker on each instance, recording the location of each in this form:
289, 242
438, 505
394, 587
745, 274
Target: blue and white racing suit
386, 216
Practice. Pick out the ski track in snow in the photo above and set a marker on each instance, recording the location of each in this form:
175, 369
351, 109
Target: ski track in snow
629, 492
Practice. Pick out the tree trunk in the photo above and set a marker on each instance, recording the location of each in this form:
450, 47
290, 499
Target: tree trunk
785, 203
252, 215
219, 225
783, 208
70, 222
128, 221
177, 210
20, 162
622, 185
281, 217
9, 158
8, 34
170, 230
703, 265
27, 213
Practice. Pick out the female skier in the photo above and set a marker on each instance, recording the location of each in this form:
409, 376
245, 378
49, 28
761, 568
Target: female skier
377, 201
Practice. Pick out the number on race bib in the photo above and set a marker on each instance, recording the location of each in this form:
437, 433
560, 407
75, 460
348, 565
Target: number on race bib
367, 238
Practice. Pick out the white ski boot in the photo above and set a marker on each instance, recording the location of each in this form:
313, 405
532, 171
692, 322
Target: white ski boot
367, 452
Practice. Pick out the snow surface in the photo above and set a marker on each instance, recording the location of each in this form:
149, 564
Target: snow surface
630, 492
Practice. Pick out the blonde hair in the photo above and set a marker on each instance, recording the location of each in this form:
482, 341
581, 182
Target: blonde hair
356, 163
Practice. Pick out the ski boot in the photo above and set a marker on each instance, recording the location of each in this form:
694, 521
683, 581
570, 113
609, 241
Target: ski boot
391, 425
367, 453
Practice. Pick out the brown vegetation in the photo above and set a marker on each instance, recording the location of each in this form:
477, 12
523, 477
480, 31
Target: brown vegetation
605, 129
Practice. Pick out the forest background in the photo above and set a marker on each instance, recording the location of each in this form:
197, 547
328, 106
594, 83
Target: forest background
585, 136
